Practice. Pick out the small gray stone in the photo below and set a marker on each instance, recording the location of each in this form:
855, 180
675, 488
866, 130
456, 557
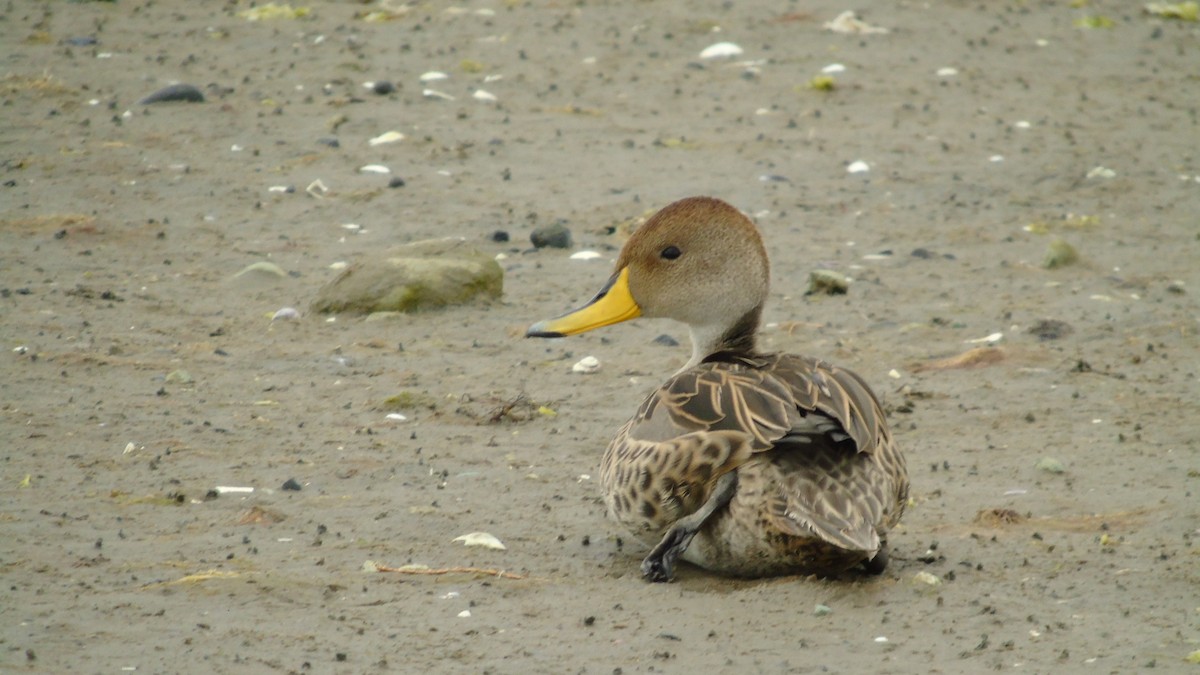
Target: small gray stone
553, 236
176, 92
666, 340
422, 275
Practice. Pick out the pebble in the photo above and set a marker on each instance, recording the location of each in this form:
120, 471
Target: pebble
421, 275
858, 167
176, 92
822, 610
292, 485
383, 87
1050, 465
553, 236
1059, 254
374, 168
1050, 329
178, 377
585, 255
499, 236
666, 341
396, 182
827, 282
329, 141
285, 313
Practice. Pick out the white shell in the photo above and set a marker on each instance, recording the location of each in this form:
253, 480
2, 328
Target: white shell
434, 93
285, 313
833, 68
721, 50
586, 365
374, 168
434, 76
396, 417
858, 167
483, 539
228, 489
994, 337
847, 22
947, 72
585, 255
386, 137
485, 96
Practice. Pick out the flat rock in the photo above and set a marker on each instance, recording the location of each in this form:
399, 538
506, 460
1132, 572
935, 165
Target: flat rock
422, 275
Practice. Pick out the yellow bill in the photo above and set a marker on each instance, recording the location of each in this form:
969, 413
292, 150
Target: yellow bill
613, 304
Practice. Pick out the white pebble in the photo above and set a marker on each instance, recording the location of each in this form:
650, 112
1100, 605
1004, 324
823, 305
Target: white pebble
720, 50
833, 68
339, 265
285, 313
585, 255
485, 96
858, 167
586, 365
396, 417
996, 158
947, 72
433, 76
374, 168
465, 614
1022, 124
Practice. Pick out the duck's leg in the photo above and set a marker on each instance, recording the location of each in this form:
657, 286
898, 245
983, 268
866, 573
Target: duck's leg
875, 566
660, 564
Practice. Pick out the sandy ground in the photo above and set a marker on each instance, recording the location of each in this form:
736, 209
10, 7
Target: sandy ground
122, 227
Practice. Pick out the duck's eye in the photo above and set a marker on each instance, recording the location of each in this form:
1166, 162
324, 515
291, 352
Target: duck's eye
671, 253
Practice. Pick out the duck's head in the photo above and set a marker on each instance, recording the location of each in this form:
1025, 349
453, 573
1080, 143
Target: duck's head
699, 261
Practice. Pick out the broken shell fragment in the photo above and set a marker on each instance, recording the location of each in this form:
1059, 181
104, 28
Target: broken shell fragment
483, 539
848, 23
721, 50
386, 137
374, 168
586, 365
433, 76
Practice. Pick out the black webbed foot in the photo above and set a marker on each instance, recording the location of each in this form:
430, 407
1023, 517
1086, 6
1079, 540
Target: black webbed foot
659, 566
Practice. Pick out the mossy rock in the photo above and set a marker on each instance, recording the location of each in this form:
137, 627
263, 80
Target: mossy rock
423, 275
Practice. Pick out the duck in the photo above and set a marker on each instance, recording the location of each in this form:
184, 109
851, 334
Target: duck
746, 463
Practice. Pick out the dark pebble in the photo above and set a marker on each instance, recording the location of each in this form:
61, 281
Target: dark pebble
922, 253
383, 88
291, 484
396, 182
553, 236
329, 141
176, 92
1050, 329
500, 236
666, 340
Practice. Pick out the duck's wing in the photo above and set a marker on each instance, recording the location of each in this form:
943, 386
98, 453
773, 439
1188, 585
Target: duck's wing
833, 470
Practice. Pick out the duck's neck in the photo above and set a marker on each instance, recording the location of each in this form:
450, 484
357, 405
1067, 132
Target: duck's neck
737, 339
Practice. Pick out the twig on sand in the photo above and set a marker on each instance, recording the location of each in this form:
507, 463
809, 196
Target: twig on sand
415, 569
